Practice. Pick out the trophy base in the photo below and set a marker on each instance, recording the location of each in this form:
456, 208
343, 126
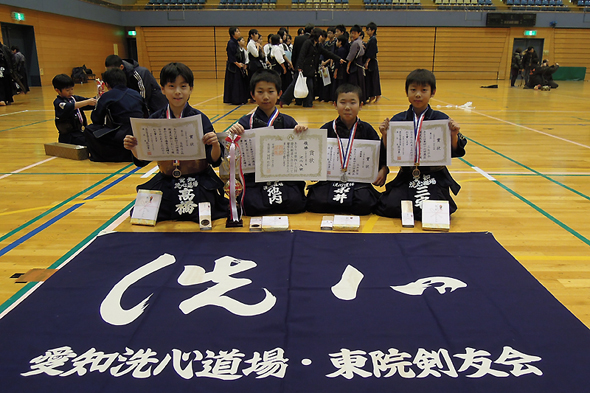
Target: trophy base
234, 224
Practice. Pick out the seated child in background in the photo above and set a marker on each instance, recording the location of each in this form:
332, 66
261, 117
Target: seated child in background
347, 197
69, 116
264, 198
431, 182
185, 183
110, 119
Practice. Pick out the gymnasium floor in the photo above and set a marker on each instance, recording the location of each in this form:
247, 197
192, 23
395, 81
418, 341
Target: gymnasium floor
525, 178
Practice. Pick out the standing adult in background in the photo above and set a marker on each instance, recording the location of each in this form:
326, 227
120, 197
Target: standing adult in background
6, 67
233, 89
297, 44
356, 74
515, 66
255, 53
308, 62
530, 60
141, 80
372, 78
20, 68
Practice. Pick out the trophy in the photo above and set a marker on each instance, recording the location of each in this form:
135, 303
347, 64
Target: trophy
233, 187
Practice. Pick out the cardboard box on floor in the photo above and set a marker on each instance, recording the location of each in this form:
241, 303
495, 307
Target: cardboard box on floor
65, 150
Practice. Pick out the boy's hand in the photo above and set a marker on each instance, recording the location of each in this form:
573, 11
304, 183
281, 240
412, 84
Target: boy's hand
381, 176
91, 101
237, 129
454, 127
130, 142
300, 128
210, 138
383, 127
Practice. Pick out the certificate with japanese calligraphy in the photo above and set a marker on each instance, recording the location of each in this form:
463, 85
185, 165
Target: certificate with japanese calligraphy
363, 164
285, 155
247, 145
435, 143
169, 139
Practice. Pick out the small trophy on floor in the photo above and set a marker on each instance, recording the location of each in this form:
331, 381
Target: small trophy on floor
234, 188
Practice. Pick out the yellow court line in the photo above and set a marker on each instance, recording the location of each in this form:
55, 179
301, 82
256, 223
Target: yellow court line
90, 201
368, 227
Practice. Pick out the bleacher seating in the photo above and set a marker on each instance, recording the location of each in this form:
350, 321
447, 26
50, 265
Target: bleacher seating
392, 4
538, 5
175, 4
471, 5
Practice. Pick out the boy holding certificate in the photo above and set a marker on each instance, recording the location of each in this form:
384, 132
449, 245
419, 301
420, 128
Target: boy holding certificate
346, 196
184, 183
419, 183
283, 197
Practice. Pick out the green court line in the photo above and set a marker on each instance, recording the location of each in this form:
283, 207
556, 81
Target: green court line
20, 228
26, 125
537, 208
531, 169
74, 250
29, 286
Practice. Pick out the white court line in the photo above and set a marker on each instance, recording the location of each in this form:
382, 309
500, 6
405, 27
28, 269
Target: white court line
483, 173
150, 172
525, 127
27, 110
27, 167
14, 113
210, 99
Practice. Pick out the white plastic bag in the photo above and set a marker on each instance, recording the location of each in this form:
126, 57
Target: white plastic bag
301, 86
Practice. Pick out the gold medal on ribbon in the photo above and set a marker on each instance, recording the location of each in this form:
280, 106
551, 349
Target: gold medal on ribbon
343, 178
176, 172
416, 172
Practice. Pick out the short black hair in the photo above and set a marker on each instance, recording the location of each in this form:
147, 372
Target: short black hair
372, 26
343, 40
62, 81
348, 88
421, 77
113, 61
232, 31
171, 71
300, 31
308, 28
316, 32
332, 29
252, 31
14, 47
275, 39
270, 76
114, 77
356, 28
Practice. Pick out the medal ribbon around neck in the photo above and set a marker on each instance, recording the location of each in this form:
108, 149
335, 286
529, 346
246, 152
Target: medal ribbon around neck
271, 119
417, 132
234, 151
78, 113
345, 155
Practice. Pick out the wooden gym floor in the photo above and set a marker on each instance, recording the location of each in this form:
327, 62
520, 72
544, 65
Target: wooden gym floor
525, 178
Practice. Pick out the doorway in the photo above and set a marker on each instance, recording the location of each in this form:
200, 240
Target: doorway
524, 43
23, 36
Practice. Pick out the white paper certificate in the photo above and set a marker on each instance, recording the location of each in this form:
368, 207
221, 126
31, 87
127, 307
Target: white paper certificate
285, 155
435, 143
169, 139
363, 164
247, 145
